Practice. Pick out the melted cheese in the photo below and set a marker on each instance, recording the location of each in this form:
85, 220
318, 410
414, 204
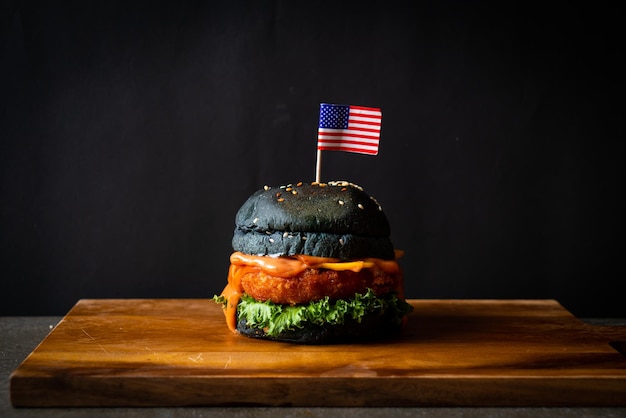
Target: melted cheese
287, 267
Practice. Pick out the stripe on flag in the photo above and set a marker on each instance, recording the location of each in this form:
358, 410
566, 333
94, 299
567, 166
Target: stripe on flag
349, 128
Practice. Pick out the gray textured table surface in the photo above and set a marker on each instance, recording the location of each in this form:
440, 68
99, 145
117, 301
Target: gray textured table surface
20, 335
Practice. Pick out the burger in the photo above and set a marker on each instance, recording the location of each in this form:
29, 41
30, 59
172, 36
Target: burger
313, 263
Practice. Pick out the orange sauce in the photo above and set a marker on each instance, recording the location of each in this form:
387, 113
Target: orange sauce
287, 267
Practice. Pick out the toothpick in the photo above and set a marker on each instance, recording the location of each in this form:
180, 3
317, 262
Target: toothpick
318, 166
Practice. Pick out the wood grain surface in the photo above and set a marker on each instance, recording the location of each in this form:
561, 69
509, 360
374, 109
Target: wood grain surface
178, 352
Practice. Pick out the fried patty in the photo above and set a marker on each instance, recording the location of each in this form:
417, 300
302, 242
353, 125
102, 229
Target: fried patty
315, 284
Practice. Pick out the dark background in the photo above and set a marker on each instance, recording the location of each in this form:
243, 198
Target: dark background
131, 132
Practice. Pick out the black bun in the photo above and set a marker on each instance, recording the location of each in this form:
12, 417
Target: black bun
335, 219
371, 327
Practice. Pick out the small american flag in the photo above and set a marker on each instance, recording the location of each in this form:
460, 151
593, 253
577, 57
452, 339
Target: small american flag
349, 128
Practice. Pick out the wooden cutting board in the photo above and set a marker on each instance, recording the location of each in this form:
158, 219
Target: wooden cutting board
177, 352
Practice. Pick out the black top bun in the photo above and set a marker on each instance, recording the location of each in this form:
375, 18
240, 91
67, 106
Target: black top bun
336, 219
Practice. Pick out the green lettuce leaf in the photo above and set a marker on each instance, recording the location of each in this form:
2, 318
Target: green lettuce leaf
275, 318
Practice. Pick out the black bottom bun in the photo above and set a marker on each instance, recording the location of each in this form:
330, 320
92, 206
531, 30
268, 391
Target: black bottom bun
371, 327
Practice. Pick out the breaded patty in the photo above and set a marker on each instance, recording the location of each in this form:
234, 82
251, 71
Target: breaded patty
315, 284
